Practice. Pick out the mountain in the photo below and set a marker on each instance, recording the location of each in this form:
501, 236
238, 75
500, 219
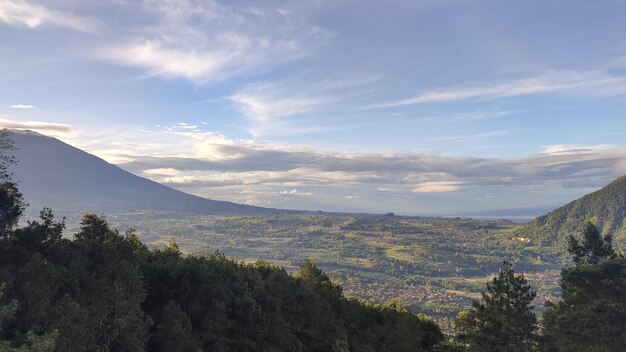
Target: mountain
606, 208
53, 174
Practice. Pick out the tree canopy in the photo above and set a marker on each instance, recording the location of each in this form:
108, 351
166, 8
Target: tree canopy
591, 315
503, 320
106, 291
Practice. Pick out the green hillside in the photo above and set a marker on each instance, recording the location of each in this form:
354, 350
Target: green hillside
606, 208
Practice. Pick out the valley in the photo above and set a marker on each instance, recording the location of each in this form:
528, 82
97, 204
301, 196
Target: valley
433, 265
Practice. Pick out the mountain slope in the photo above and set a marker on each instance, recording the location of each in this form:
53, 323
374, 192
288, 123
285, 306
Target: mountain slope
53, 174
606, 208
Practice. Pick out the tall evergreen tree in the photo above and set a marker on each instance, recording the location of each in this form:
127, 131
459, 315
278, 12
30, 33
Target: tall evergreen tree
591, 248
591, 315
503, 321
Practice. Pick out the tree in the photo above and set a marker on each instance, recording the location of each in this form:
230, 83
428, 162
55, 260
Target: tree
6, 155
11, 207
103, 291
325, 331
32, 343
591, 315
11, 201
94, 227
112, 289
504, 319
591, 249
174, 332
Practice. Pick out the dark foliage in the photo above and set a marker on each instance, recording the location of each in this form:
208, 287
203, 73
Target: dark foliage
591, 249
104, 291
503, 321
7, 146
591, 315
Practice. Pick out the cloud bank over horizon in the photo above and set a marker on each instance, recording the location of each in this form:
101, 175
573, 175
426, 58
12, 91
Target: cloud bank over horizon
413, 183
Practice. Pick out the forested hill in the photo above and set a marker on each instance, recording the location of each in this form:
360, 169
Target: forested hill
104, 291
56, 175
606, 208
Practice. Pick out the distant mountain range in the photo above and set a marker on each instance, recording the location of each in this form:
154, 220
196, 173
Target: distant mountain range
606, 208
53, 174
519, 215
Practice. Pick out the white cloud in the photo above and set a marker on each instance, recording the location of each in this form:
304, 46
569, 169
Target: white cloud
208, 160
294, 192
187, 126
166, 171
558, 81
160, 59
437, 187
22, 106
48, 128
272, 107
208, 41
560, 149
24, 14
263, 106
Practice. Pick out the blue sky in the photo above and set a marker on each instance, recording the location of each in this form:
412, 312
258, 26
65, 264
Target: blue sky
416, 107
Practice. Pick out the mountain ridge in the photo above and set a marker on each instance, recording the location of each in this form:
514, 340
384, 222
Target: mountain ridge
606, 208
54, 174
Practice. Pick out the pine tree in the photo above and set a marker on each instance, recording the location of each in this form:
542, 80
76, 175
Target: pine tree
591, 249
591, 315
503, 321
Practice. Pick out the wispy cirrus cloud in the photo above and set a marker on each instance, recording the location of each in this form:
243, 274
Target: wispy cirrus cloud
271, 106
263, 104
472, 137
206, 41
268, 109
25, 14
465, 117
199, 41
596, 82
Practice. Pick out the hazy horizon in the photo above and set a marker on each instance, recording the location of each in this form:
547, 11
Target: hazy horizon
433, 108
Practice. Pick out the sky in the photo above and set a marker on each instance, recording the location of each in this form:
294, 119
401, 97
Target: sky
444, 107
